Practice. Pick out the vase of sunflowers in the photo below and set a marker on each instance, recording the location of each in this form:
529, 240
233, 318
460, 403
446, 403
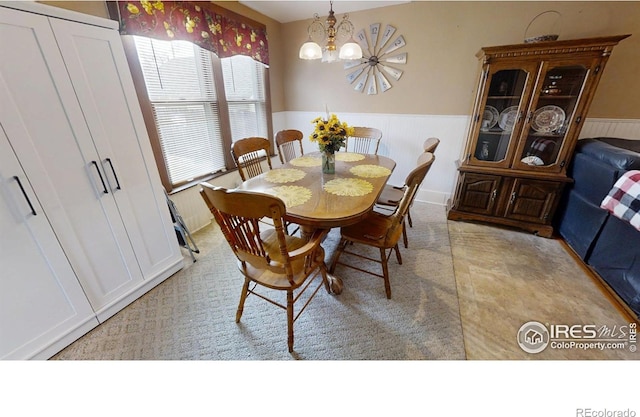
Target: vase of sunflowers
328, 162
331, 135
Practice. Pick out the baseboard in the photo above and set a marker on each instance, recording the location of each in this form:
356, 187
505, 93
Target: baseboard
65, 340
433, 197
147, 285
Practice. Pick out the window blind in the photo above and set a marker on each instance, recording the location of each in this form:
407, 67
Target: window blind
245, 94
181, 89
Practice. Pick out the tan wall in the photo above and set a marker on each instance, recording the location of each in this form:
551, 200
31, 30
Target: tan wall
96, 8
442, 39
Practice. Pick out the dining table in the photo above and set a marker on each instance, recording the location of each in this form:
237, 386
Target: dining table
316, 200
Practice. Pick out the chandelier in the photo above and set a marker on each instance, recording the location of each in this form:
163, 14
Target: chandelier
318, 33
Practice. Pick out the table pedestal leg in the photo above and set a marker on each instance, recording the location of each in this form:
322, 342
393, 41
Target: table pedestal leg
335, 284
306, 232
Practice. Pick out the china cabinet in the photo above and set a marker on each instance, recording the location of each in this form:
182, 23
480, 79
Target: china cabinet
77, 167
530, 102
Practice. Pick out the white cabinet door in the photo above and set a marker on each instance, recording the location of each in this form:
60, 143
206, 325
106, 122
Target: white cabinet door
97, 66
42, 306
46, 127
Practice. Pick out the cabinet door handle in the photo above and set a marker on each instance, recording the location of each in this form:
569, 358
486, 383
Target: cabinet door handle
114, 174
494, 193
104, 186
513, 198
24, 193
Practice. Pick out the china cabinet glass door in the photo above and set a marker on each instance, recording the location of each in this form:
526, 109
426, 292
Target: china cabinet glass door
553, 110
500, 114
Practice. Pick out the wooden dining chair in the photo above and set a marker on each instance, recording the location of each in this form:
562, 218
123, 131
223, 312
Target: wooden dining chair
289, 144
248, 154
382, 231
430, 145
392, 194
267, 258
364, 140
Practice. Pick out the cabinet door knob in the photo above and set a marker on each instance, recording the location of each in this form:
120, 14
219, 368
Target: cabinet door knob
24, 193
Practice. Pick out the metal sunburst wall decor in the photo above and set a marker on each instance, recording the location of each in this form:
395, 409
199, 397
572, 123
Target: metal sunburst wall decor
373, 71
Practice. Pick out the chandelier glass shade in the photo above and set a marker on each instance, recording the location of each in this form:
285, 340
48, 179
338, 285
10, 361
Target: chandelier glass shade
319, 33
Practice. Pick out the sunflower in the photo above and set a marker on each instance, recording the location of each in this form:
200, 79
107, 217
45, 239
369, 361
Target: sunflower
330, 135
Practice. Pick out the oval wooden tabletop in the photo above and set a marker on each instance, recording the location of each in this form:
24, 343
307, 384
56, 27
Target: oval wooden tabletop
326, 200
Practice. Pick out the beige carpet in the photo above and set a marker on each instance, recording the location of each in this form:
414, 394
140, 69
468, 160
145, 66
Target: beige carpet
192, 314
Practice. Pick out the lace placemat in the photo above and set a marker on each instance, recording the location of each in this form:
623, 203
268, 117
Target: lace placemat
352, 187
370, 171
292, 195
306, 161
282, 175
349, 156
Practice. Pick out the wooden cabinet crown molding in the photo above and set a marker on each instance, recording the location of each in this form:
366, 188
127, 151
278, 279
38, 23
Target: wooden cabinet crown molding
551, 48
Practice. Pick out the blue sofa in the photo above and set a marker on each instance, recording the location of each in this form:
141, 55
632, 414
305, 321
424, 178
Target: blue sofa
610, 246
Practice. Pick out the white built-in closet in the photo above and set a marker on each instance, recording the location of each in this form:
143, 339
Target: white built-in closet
84, 224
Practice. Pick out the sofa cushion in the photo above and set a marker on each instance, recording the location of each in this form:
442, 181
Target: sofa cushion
616, 258
580, 222
602, 149
624, 283
593, 178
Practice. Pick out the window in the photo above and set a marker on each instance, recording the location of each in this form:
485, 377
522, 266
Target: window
200, 105
245, 93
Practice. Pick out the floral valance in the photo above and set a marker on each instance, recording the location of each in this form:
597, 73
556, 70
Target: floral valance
209, 26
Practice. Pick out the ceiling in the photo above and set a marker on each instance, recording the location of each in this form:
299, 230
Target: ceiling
289, 11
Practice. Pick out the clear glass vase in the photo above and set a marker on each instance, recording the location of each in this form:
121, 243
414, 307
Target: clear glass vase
328, 163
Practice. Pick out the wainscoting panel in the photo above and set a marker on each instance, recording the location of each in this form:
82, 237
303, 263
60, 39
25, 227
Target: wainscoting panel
616, 128
192, 208
403, 136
